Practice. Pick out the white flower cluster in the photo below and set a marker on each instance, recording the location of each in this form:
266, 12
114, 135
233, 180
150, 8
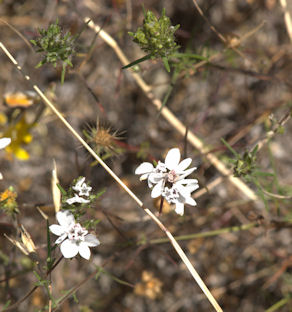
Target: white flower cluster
81, 189
3, 143
73, 237
168, 180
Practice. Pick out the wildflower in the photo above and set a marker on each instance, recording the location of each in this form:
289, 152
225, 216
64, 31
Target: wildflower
179, 194
8, 201
169, 180
20, 135
73, 237
3, 143
83, 190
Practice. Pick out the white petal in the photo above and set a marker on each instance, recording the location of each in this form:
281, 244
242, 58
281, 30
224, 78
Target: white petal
155, 177
188, 181
145, 167
187, 172
182, 190
57, 229
184, 164
61, 238
192, 187
179, 209
172, 158
77, 199
144, 176
1, 176
65, 218
78, 185
83, 201
4, 142
71, 201
84, 251
69, 249
157, 190
91, 240
191, 201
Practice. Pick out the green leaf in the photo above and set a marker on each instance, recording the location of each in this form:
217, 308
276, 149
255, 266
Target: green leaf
230, 148
140, 60
166, 64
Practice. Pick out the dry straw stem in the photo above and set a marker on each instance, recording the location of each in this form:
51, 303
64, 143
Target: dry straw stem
287, 18
174, 243
170, 117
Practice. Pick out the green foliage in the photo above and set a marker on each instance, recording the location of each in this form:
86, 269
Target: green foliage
156, 37
55, 46
246, 164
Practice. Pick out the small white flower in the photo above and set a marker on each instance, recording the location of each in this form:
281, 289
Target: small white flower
169, 181
82, 188
180, 194
73, 237
77, 199
3, 143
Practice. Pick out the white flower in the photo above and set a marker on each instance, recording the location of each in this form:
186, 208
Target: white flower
169, 179
72, 236
148, 171
180, 194
77, 199
3, 143
82, 188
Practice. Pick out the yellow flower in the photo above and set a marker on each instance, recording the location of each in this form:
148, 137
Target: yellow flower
19, 134
8, 201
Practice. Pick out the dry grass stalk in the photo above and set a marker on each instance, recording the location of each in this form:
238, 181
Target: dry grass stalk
287, 18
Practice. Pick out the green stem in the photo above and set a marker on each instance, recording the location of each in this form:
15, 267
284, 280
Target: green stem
203, 234
279, 304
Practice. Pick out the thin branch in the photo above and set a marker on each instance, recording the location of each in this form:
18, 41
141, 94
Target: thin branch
231, 229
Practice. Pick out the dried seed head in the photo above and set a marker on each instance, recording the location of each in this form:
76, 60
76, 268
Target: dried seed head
27, 240
103, 139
